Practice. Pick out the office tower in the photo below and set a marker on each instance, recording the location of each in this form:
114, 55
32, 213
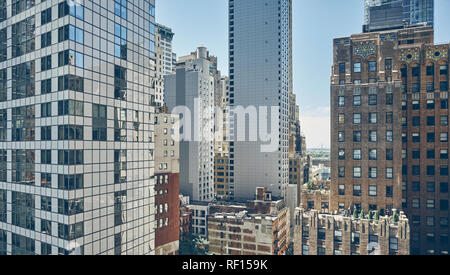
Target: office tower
164, 60
260, 76
193, 87
382, 15
167, 181
389, 97
76, 164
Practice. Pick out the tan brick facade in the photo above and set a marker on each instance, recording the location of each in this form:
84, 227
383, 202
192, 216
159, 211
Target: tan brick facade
319, 234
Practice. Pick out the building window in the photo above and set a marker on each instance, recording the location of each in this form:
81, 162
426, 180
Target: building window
23, 84
46, 16
357, 190
389, 173
342, 68
71, 82
71, 182
393, 245
389, 154
71, 232
70, 157
373, 118
373, 100
415, 203
70, 107
372, 66
341, 118
120, 41
388, 64
357, 100
120, 82
444, 170
444, 120
70, 132
355, 238
23, 123
152, 10
341, 101
443, 187
357, 67
356, 118
357, 136
70, 32
430, 204
431, 170
357, 154
338, 236
46, 156
341, 172
389, 99
46, 86
341, 136
372, 154
373, 172
120, 8
373, 136
46, 39
341, 154
305, 250
357, 172
46, 109
99, 122
389, 136
389, 191
23, 37
341, 189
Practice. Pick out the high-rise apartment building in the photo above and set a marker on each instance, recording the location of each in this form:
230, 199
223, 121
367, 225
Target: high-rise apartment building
382, 15
260, 62
77, 173
193, 87
390, 130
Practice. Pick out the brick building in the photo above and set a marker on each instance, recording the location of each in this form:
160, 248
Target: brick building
167, 187
321, 234
258, 227
389, 102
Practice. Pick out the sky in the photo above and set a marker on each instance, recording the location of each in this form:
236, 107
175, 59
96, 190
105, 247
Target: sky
315, 24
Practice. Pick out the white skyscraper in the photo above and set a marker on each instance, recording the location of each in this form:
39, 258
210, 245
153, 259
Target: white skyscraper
260, 76
193, 87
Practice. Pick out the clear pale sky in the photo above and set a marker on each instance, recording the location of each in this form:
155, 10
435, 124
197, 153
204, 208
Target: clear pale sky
316, 23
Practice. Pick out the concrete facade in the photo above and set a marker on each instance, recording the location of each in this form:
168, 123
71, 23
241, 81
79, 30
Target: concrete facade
193, 87
260, 72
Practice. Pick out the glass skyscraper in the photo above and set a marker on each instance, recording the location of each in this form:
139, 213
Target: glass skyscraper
76, 149
393, 14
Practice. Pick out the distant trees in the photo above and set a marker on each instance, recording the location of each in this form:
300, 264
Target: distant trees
193, 245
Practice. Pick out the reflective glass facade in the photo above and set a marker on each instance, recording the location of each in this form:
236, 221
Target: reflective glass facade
392, 14
75, 94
